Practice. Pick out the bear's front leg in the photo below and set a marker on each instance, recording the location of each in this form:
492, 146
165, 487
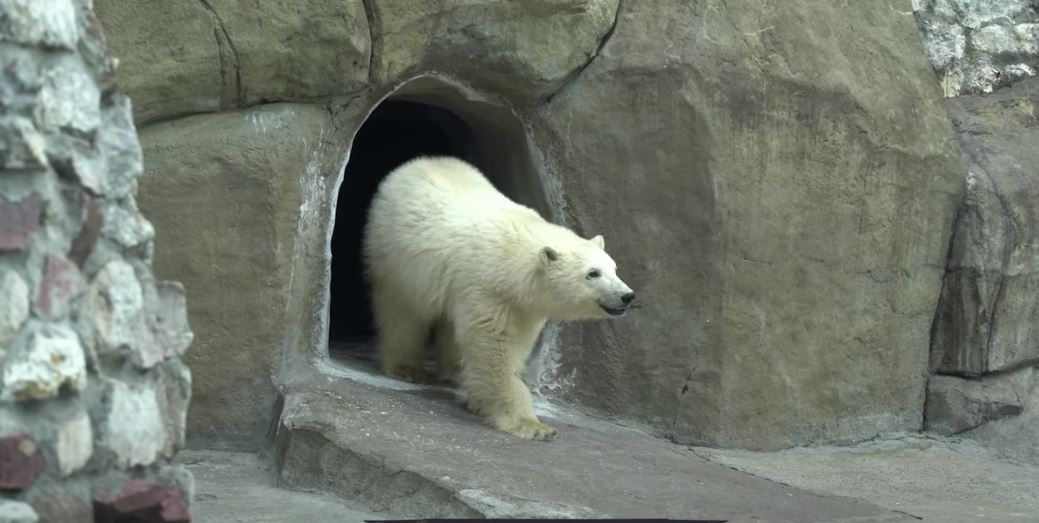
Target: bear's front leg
496, 391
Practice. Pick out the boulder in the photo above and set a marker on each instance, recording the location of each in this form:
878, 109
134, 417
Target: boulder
185, 57
173, 57
522, 50
956, 405
778, 185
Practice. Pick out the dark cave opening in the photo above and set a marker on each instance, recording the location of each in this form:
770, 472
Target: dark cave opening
424, 117
394, 133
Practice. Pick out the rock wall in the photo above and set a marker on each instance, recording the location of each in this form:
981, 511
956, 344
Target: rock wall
93, 393
985, 337
976, 46
778, 182
985, 344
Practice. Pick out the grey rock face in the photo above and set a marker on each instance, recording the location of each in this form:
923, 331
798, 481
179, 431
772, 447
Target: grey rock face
987, 323
235, 53
988, 319
956, 405
241, 179
76, 288
783, 213
525, 51
979, 45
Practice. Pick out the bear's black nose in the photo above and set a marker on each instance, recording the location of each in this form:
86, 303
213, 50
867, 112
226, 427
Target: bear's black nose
628, 297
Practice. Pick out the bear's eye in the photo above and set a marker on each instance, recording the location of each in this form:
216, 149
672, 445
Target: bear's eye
594, 273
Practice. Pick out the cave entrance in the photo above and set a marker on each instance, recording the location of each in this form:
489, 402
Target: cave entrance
422, 118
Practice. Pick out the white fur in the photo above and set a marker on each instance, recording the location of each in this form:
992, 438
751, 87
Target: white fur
446, 252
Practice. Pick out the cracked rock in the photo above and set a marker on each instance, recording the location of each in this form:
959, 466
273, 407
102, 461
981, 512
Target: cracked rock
43, 359
955, 405
14, 307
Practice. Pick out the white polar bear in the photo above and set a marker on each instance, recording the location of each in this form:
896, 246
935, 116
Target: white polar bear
445, 252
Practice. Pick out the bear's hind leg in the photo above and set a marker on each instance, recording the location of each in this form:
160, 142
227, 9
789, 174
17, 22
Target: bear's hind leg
402, 341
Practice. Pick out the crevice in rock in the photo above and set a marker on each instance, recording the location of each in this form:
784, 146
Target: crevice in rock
990, 374
936, 320
1003, 412
227, 47
573, 76
1008, 249
373, 38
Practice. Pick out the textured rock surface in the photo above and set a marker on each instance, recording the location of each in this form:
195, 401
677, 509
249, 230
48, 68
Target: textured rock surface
17, 512
232, 241
988, 319
979, 45
75, 253
524, 50
23, 461
42, 360
934, 479
785, 217
196, 74
987, 326
413, 454
234, 53
61, 507
956, 405
1015, 437
14, 307
141, 501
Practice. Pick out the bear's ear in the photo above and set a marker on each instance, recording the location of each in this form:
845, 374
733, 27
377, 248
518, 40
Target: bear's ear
599, 242
549, 254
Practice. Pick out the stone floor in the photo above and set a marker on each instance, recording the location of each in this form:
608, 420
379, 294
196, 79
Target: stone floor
362, 447
945, 479
238, 487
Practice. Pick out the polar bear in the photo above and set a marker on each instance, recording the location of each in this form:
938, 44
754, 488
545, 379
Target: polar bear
446, 253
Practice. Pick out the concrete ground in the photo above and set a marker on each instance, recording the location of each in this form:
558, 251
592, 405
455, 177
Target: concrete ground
359, 447
944, 480
238, 487
415, 451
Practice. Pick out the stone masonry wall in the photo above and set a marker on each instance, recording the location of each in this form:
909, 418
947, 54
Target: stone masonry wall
93, 394
979, 45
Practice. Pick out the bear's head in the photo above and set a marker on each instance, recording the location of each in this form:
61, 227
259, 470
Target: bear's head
582, 282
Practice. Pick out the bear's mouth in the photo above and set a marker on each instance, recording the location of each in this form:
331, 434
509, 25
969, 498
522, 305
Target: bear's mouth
613, 311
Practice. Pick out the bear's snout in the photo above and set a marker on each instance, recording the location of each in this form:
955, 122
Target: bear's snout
628, 298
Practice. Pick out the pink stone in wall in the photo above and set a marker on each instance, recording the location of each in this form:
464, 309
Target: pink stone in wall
143, 501
18, 220
21, 461
61, 283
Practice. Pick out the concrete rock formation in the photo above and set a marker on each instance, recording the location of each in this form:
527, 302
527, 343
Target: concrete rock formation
986, 331
85, 330
783, 196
